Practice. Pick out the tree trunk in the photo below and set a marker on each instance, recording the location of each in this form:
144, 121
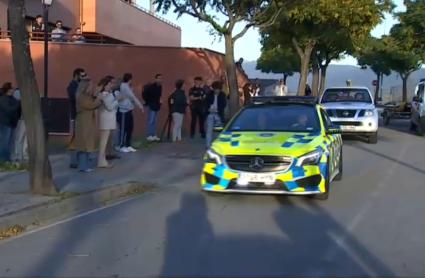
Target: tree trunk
231, 75
39, 166
323, 71
315, 83
305, 56
404, 77
378, 85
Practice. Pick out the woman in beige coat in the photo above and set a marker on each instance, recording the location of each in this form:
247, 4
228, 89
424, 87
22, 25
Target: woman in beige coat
107, 118
88, 101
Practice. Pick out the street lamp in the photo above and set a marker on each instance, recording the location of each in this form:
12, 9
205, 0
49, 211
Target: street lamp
46, 5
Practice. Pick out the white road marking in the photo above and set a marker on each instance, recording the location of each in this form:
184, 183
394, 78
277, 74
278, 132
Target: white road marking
69, 219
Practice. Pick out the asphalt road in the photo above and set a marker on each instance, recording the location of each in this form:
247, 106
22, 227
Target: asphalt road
372, 225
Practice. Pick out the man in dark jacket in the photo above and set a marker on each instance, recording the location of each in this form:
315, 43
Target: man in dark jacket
10, 112
216, 102
152, 96
178, 102
197, 96
78, 74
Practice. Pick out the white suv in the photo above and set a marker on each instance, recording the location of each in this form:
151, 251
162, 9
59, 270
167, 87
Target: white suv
418, 109
353, 109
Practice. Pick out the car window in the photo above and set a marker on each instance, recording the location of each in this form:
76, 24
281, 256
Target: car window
346, 95
290, 118
326, 120
420, 92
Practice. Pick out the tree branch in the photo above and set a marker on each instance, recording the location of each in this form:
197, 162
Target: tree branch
297, 47
200, 14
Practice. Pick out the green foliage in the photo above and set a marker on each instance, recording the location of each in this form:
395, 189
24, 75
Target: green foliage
279, 60
374, 54
413, 22
12, 167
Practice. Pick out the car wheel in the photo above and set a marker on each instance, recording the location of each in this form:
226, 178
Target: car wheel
373, 138
325, 195
340, 169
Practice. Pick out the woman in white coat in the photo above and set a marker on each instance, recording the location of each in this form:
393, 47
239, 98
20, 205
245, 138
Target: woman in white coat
107, 118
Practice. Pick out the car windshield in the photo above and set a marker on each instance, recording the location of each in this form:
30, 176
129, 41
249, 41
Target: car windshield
277, 118
346, 95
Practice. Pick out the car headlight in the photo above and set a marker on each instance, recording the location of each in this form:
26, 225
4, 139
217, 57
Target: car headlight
213, 157
369, 113
312, 158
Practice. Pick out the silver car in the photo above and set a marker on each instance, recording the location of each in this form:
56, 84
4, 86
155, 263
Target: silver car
353, 109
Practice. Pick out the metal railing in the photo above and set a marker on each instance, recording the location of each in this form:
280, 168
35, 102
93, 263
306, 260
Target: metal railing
132, 3
88, 38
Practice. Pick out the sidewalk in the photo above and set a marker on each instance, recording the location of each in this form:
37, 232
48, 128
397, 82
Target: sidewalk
160, 165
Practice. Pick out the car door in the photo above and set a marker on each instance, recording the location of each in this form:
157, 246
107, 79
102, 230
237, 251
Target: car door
335, 143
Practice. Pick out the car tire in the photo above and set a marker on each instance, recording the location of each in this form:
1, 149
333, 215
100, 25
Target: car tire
373, 138
340, 169
325, 195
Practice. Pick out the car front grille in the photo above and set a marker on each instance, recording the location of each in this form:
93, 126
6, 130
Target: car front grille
342, 113
349, 123
253, 163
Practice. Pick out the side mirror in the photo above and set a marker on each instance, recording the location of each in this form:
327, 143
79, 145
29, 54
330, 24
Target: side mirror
334, 130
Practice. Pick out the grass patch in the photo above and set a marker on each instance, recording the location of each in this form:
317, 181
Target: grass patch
6, 166
142, 144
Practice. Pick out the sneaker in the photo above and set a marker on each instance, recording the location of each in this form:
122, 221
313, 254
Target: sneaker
131, 149
87, 170
124, 150
156, 138
150, 138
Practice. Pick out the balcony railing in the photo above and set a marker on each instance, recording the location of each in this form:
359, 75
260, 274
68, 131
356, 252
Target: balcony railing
68, 38
132, 3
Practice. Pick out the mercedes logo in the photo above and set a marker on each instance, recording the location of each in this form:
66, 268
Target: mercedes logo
256, 163
346, 113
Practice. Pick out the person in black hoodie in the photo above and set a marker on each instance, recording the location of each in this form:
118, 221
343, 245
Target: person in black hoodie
216, 102
178, 102
10, 112
152, 96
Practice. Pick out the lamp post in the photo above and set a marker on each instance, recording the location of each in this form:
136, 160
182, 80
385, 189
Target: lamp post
46, 5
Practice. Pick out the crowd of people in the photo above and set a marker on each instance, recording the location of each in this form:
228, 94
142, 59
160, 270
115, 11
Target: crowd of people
13, 142
106, 112
57, 34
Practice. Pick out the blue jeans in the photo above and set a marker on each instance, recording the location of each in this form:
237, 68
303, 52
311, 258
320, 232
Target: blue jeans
152, 117
6, 135
83, 161
213, 120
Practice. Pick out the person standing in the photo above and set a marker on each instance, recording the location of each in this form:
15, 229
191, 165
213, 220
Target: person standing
307, 90
178, 103
38, 28
88, 101
151, 94
77, 76
20, 141
281, 89
10, 110
125, 113
114, 138
78, 37
59, 34
197, 96
216, 102
107, 119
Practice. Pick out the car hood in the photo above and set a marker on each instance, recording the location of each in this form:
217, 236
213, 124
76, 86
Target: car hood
348, 105
267, 143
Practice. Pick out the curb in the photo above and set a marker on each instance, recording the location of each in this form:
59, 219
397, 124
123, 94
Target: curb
63, 207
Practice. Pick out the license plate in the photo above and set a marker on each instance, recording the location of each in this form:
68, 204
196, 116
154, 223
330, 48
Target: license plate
245, 178
348, 127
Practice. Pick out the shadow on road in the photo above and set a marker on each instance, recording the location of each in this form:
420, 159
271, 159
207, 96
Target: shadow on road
392, 159
312, 243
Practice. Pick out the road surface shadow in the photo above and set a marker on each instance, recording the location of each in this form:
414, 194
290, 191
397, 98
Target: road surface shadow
312, 244
392, 159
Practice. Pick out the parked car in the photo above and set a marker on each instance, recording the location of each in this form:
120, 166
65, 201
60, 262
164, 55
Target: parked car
353, 109
418, 109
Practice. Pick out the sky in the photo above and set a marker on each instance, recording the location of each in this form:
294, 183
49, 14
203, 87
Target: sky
196, 34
